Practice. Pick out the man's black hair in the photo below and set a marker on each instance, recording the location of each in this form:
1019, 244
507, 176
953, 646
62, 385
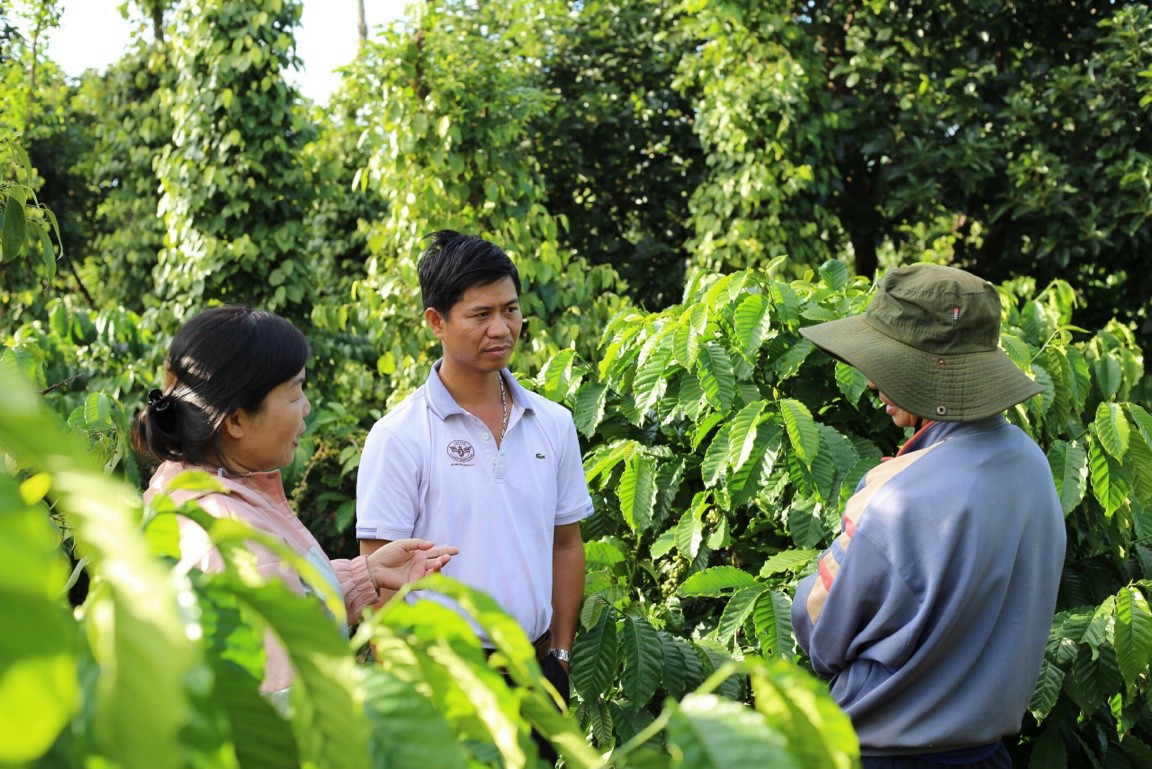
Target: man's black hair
453, 263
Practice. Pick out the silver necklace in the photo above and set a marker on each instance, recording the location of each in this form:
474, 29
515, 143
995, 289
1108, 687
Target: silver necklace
503, 408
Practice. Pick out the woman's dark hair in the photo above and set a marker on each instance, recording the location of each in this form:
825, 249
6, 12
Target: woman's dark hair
224, 359
453, 263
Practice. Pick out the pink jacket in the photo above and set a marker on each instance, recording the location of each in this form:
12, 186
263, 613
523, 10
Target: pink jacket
258, 499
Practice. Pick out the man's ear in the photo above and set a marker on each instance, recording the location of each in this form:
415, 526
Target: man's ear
435, 321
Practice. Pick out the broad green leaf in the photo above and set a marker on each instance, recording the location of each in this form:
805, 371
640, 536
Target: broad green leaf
749, 481
801, 429
1109, 375
787, 303
1080, 381
788, 560
1069, 463
602, 461
704, 427
717, 378
1142, 419
1112, 428
725, 289
1092, 680
710, 732
1133, 634
1047, 690
736, 612
690, 529
15, 227
637, 492
643, 661
139, 643
788, 364
1109, 485
716, 580
405, 723
716, 457
556, 375
48, 255
834, 273
752, 322
798, 705
805, 523
681, 665
38, 649
595, 656
651, 379
742, 434
1049, 752
851, 382
589, 407
328, 712
235, 650
773, 622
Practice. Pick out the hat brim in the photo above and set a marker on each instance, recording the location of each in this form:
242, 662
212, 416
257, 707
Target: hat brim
947, 388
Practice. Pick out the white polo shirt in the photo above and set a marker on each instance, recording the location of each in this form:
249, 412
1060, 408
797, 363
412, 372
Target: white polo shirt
432, 470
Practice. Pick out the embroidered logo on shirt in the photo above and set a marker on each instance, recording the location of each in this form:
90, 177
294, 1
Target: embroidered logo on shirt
540, 456
461, 451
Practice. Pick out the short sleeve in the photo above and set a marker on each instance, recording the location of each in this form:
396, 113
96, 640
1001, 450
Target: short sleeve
387, 487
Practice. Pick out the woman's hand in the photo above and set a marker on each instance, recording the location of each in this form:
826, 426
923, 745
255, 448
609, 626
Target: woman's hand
401, 561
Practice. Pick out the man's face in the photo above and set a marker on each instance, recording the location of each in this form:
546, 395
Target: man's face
481, 329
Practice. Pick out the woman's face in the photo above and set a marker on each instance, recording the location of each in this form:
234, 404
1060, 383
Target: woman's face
900, 417
267, 439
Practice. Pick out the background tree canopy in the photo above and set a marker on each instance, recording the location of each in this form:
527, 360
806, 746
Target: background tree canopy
683, 186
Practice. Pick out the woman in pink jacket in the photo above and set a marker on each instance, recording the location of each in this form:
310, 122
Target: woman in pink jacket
233, 405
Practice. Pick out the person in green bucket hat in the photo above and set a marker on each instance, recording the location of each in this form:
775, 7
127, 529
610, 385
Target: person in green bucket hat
929, 614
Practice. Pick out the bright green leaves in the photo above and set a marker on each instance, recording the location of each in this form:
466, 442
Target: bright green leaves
140, 652
716, 375
709, 732
26, 226
819, 733
233, 189
39, 647
802, 432
1069, 463
1133, 634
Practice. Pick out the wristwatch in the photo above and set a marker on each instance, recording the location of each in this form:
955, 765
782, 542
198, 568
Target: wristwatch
561, 654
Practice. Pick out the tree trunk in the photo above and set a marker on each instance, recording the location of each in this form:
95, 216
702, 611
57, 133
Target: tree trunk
361, 25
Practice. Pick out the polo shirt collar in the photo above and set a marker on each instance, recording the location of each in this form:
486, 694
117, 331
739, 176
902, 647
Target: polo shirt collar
444, 405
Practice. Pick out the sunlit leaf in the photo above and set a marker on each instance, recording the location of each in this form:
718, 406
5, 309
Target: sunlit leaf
716, 580
1133, 634
801, 428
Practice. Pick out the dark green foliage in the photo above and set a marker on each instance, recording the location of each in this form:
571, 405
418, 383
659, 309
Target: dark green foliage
613, 73
234, 198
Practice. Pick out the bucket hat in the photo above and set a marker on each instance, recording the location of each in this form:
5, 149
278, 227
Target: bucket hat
930, 341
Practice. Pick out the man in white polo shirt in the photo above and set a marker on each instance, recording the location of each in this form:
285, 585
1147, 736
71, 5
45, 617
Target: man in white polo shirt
473, 458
